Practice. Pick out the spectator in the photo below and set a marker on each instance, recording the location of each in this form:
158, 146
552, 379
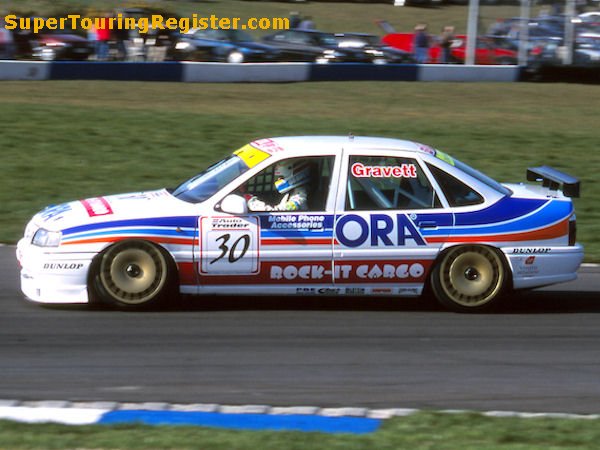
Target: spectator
7, 48
498, 28
103, 38
121, 36
306, 24
446, 41
295, 19
421, 44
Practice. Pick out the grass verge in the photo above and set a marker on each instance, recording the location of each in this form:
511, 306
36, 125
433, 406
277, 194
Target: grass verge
425, 430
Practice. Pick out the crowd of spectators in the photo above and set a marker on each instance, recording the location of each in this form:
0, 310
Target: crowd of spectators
104, 43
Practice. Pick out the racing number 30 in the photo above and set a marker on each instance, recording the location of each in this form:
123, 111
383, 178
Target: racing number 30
232, 257
229, 245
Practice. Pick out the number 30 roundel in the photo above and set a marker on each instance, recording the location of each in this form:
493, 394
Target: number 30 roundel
229, 245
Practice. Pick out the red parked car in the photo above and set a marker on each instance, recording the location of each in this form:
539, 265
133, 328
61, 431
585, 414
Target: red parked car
486, 51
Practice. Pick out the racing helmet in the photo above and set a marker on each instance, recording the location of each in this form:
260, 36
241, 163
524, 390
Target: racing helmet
290, 174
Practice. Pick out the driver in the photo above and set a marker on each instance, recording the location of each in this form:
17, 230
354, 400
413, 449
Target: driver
291, 179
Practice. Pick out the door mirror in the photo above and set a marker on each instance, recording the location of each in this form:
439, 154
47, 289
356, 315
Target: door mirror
234, 204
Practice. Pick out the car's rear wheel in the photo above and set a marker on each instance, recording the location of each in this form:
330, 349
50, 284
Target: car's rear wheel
133, 274
469, 278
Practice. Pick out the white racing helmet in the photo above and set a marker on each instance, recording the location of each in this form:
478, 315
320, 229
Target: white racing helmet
291, 174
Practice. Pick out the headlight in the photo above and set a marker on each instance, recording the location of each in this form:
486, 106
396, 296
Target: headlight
182, 46
374, 52
45, 238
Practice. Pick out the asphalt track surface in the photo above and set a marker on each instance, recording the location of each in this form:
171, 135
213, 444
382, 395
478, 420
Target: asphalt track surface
540, 353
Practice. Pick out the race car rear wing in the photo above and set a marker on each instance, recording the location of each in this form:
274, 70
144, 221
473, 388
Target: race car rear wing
553, 179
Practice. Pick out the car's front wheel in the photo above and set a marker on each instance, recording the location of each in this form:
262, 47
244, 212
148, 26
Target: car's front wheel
469, 278
133, 274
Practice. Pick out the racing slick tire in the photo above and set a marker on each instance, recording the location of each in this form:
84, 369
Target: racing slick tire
469, 278
133, 274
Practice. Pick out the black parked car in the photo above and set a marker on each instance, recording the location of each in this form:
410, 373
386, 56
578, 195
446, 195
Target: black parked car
233, 46
52, 45
371, 44
317, 46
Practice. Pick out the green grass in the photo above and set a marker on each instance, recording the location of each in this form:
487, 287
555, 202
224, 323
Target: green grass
422, 431
70, 140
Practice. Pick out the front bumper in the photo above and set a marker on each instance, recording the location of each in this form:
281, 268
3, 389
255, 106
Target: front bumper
541, 266
51, 275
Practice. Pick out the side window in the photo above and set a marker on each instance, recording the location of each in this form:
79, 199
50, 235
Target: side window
305, 181
457, 193
382, 182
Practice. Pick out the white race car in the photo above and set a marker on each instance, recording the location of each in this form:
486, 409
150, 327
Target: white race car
315, 215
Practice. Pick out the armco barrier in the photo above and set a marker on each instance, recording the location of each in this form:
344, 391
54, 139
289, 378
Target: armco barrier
255, 73
24, 70
458, 72
246, 73
563, 74
124, 71
364, 72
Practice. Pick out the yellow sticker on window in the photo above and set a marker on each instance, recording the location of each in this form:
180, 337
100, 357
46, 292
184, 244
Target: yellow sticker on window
444, 157
251, 155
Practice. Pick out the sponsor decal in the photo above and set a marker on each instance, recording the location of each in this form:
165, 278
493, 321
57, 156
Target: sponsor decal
359, 170
251, 155
267, 145
426, 149
381, 290
390, 271
54, 213
63, 266
528, 270
529, 251
228, 245
318, 291
97, 206
143, 195
351, 272
355, 291
303, 272
294, 222
353, 230
444, 157
409, 291
229, 223
526, 266
322, 273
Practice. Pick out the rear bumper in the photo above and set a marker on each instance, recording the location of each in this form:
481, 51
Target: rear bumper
536, 267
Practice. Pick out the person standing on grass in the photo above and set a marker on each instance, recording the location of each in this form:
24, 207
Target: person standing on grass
446, 41
103, 38
421, 44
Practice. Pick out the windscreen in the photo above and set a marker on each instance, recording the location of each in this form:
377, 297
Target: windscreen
206, 184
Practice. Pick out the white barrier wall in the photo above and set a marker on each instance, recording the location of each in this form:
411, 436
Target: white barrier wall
251, 73
459, 72
24, 70
245, 73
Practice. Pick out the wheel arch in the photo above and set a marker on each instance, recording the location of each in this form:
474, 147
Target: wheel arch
498, 250
507, 281
96, 260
